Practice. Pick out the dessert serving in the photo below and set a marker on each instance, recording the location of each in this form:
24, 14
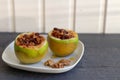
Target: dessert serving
64, 52
30, 47
62, 42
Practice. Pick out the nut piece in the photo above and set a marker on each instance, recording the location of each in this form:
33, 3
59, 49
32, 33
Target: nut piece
60, 64
65, 62
49, 63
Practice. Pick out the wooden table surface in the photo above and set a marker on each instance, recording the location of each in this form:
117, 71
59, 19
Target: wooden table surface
101, 60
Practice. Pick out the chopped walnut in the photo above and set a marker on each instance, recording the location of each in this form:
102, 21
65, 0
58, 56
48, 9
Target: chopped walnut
62, 33
60, 64
49, 63
32, 39
65, 62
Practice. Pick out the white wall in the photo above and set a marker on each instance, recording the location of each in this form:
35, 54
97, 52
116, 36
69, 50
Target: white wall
113, 17
83, 16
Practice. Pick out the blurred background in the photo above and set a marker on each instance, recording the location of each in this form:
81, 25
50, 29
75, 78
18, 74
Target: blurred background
82, 16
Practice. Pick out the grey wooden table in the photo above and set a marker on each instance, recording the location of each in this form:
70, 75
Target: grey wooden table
101, 61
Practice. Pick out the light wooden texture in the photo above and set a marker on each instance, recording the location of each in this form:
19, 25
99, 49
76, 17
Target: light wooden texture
113, 17
28, 15
58, 13
83, 16
6, 16
89, 16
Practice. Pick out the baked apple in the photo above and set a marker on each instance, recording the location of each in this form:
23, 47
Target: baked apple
30, 47
62, 42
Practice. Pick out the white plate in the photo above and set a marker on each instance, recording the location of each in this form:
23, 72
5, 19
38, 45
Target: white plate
9, 57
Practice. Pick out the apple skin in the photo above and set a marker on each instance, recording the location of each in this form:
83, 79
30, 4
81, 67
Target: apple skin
30, 55
62, 48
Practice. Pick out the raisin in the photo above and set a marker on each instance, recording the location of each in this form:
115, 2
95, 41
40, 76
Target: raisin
55, 28
37, 34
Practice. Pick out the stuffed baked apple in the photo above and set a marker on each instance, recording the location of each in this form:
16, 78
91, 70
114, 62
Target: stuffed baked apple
30, 47
62, 42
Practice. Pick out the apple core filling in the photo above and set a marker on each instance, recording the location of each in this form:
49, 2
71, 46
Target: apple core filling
62, 33
30, 39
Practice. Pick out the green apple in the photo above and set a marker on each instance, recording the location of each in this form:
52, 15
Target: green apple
63, 47
31, 54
